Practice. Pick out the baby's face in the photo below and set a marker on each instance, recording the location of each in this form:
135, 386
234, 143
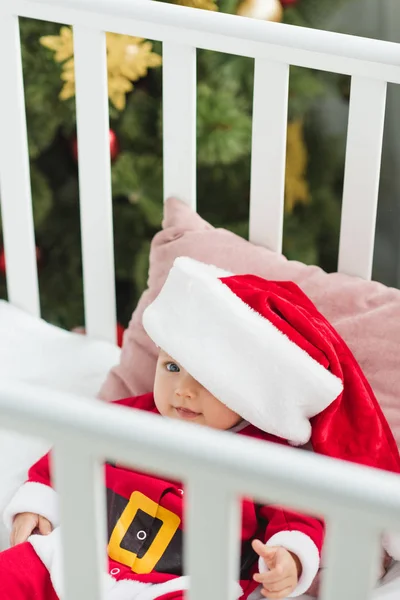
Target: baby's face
178, 396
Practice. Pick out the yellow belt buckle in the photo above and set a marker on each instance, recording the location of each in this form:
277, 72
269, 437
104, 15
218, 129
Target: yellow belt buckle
170, 523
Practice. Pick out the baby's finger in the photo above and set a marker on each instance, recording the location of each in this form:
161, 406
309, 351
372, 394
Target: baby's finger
273, 576
12, 537
20, 535
278, 586
277, 595
268, 553
44, 526
23, 530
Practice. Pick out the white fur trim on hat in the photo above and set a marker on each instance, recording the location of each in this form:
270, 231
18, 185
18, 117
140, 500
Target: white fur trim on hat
236, 354
302, 545
34, 498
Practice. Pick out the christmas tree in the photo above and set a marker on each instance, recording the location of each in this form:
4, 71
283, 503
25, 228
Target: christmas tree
225, 88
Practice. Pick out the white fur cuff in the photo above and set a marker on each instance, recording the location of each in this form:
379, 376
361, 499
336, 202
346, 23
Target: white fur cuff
302, 545
35, 498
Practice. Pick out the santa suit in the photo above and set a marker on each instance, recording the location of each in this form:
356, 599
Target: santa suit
145, 529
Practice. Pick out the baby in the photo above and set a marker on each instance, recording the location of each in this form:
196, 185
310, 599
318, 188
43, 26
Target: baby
241, 355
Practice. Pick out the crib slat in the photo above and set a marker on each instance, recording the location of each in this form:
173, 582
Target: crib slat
15, 185
302, 46
268, 160
362, 172
179, 122
353, 552
95, 183
79, 481
212, 541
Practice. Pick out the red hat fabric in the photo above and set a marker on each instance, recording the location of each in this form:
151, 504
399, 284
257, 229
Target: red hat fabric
263, 349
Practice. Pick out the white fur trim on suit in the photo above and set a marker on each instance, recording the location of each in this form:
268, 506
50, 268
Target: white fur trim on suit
133, 590
127, 590
302, 545
35, 498
160, 589
236, 354
49, 550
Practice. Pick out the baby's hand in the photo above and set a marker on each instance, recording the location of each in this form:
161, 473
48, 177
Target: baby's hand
284, 571
27, 523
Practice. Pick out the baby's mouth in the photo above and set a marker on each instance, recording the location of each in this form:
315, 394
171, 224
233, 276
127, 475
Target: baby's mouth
185, 413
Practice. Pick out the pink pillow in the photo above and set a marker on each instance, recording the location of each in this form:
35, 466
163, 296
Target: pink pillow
366, 314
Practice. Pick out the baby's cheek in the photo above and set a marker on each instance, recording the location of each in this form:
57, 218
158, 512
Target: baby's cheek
228, 419
163, 406
210, 418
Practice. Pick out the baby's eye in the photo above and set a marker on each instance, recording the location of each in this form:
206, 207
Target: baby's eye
172, 367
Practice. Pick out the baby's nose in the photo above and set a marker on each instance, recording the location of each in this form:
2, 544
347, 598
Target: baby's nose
185, 392
187, 388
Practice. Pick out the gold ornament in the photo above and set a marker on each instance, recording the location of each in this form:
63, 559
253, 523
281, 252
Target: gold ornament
62, 45
296, 186
128, 59
204, 4
266, 10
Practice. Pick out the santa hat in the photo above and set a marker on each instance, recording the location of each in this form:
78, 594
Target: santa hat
263, 349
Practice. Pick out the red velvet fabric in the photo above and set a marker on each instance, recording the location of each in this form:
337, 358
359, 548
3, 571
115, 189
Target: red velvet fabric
353, 427
23, 575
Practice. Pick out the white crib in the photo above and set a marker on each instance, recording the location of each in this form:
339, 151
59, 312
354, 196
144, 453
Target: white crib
357, 503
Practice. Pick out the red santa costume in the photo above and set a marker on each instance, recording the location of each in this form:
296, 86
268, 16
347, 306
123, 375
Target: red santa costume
262, 349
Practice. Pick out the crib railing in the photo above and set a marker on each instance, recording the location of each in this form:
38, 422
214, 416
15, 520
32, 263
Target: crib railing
358, 503
275, 47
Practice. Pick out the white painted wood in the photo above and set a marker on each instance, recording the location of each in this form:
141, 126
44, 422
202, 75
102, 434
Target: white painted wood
179, 122
362, 172
15, 185
312, 483
95, 182
79, 480
268, 158
300, 46
217, 466
353, 555
212, 547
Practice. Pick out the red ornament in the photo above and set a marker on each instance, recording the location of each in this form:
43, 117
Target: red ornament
3, 259
288, 2
120, 333
114, 146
